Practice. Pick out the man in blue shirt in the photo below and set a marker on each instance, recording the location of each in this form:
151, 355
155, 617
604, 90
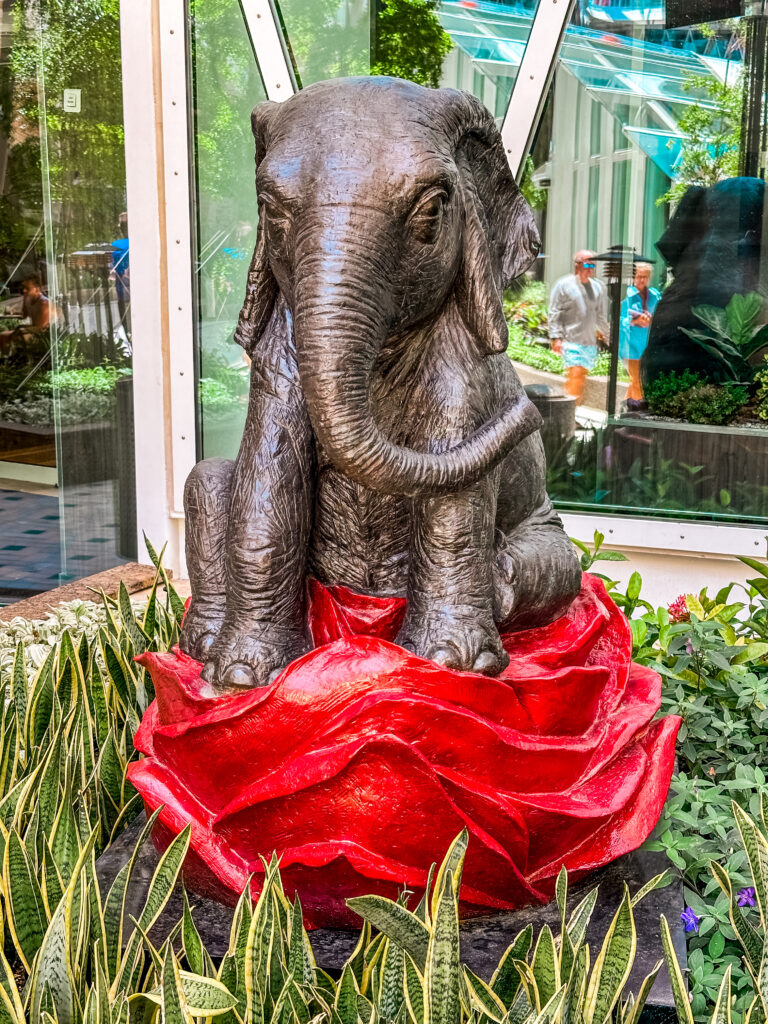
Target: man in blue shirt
636, 315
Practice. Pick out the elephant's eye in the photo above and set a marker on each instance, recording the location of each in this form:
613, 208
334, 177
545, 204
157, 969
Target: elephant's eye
427, 216
276, 218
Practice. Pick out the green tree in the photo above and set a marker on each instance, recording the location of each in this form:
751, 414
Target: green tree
711, 136
410, 42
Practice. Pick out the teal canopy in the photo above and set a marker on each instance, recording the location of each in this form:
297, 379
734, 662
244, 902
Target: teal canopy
646, 86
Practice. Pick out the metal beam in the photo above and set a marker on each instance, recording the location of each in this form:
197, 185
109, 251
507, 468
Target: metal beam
533, 80
269, 48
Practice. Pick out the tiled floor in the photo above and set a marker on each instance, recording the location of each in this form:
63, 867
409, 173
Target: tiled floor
36, 528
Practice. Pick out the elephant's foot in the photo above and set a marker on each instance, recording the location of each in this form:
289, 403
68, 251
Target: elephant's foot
460, 637
202, 624
243, 658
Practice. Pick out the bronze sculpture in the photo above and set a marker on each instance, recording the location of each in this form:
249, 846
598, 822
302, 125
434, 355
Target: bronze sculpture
389, 444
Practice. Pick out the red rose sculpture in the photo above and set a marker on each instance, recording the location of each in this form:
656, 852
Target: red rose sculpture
362, 762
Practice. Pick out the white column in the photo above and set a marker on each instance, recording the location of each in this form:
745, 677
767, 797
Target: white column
156, 155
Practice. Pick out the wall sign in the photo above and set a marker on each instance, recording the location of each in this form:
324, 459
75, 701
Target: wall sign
694, 12
72, 100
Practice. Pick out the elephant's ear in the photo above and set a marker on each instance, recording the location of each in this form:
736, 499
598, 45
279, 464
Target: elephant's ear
261, 288
500, 237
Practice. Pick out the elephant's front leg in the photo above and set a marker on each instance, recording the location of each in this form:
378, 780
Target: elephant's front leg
267, 542
449, 617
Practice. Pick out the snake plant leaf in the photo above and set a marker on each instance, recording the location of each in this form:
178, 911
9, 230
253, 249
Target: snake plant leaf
580, 918
505, 981
679, 990
139, 640
483, 998
529, 983
521, 1011
205, 997
164, 878
52, 883
149, 622
65, 841
366, 1012
114, 906
193, 944
11, 1006
746, 933
48, 793
19, 689
545, 965
397, 923
98, 697
356, 960
453, 862
756, 848
413, 989
550, 1011
9, 759
561, 893
391, 995
27, 920
41, 701
117, 669
659, 881
633, 1017
345, 1003
53, 968
613, 965
441, 975
422, 909
722, 1011
576, 989
172, 1000
755, 1013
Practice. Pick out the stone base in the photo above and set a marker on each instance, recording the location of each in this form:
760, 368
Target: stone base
483, 939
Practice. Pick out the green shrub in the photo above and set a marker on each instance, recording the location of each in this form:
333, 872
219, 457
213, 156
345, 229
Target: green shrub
663, 392
712, 403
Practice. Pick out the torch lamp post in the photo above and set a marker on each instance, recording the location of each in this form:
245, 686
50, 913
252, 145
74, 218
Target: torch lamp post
620, 262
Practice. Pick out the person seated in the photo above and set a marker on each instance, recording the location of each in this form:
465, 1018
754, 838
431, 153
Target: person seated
36, 309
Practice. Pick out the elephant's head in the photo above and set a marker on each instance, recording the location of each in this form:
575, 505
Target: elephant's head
378, 200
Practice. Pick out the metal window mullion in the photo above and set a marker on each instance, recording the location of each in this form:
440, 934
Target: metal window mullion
533, 80
269, 47
178, 241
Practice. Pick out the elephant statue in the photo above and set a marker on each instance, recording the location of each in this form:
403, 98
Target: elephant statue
389, 445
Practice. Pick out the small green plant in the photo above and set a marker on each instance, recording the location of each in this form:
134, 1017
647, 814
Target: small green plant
733, 336
713, 403
664, 391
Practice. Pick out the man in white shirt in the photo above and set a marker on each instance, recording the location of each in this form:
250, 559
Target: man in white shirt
578, 319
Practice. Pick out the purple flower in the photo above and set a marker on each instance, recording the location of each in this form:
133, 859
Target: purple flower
689, 647
746, 897
690, 920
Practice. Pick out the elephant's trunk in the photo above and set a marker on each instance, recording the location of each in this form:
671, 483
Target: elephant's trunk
340, 328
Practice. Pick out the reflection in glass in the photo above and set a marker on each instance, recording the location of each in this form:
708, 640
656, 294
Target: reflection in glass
67, 505
666, 172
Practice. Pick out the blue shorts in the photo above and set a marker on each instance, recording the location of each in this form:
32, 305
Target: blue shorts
575, 354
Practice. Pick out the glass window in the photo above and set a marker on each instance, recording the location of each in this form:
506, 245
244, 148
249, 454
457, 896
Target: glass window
67, 502
656, 360
595, 128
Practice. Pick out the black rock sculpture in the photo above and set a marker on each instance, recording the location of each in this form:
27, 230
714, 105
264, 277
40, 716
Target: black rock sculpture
389, 445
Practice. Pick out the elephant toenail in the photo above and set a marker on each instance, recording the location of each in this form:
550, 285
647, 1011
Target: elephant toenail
205, 643
486, 662
446, 656
238, 677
